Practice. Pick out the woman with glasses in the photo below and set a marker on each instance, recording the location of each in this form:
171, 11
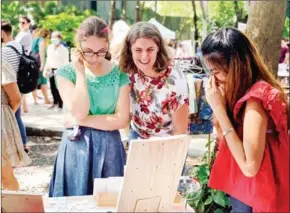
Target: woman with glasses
24, 37
96, 94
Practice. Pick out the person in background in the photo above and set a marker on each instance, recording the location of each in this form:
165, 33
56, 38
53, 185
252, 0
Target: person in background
39, 51
57, 56
159, 92
34, 30
284, 49
13, 59
12, 151
119, 32
96, 95
24, 37
250, 106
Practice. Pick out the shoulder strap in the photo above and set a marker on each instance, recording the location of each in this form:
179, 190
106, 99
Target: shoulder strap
15, 50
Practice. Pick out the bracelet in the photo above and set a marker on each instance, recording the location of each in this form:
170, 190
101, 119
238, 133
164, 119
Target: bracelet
228, 131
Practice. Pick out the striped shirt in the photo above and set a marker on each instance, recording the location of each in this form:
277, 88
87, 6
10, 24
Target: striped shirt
11, 56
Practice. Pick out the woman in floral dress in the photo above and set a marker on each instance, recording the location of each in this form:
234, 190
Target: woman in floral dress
159, 92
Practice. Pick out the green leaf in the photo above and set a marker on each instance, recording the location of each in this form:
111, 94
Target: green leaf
208, 201
219, 198
218, 211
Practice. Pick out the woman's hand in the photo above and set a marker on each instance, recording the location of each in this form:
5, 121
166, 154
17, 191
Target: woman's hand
78, 61
69, 121
215, 95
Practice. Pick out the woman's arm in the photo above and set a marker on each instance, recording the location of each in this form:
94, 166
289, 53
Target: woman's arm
13, 94
41, 54
249, 152
75, 97
118, 120
180, 120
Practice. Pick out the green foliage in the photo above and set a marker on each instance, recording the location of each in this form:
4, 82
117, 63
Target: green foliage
11, 12
206, 199
286, 30
223, 14
52, 16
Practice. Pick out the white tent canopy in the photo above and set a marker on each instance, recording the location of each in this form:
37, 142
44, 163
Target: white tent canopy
165, 32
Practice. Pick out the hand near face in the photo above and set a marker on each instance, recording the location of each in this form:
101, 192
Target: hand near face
78, 61
215, 95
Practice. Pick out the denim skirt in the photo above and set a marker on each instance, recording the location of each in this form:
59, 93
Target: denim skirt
94, 154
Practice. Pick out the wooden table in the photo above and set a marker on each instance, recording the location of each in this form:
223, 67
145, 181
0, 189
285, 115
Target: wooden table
88, 204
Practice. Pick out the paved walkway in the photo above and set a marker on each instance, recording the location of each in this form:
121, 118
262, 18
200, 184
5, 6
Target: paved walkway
41, 121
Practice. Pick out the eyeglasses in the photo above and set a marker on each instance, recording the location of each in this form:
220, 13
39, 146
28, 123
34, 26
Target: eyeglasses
91, 54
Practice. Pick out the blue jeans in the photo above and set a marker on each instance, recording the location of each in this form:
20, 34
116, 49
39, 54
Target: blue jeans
239, 206
21, 125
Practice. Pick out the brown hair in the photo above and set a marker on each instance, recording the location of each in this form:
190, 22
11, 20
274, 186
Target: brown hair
43, 33
93, 26
143, 30
26, 18
235, 54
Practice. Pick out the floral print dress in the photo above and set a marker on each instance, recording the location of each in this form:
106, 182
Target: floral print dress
155, 99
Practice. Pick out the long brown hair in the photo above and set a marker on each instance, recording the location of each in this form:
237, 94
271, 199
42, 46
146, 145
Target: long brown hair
93, 26
232, 52
143, 30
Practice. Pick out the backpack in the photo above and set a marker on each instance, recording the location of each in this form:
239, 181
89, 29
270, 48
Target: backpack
28, 72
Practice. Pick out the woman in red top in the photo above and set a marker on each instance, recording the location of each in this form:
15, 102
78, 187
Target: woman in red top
250, 106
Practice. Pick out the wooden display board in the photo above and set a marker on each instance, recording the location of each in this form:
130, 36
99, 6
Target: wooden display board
152, 174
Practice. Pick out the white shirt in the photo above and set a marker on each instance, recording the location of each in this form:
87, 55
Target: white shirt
56, 56
25, 39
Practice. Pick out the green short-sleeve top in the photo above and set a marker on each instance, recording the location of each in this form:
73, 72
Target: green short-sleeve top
103, 90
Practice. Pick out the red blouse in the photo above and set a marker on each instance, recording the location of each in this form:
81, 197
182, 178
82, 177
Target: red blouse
268, 191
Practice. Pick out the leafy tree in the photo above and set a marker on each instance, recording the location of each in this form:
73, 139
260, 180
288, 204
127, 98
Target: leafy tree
11, 12
225, 14
65, 23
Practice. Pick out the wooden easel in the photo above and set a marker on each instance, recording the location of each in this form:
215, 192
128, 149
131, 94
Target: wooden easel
152, 174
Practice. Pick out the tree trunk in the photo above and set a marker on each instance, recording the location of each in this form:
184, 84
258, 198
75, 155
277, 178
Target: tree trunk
124, 10
195, 26
203, 5
113, 14
264, 27
142, 10
137, 17
155, 9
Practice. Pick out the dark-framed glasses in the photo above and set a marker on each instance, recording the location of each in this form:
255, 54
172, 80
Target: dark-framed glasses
100, 54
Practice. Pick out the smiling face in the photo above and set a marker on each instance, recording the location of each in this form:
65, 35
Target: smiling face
94, 50
144, 53
220, 75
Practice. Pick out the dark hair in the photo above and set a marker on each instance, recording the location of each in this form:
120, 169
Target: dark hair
26, 18
93, 26
6, 27
34, 27
143, 30
232, 52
